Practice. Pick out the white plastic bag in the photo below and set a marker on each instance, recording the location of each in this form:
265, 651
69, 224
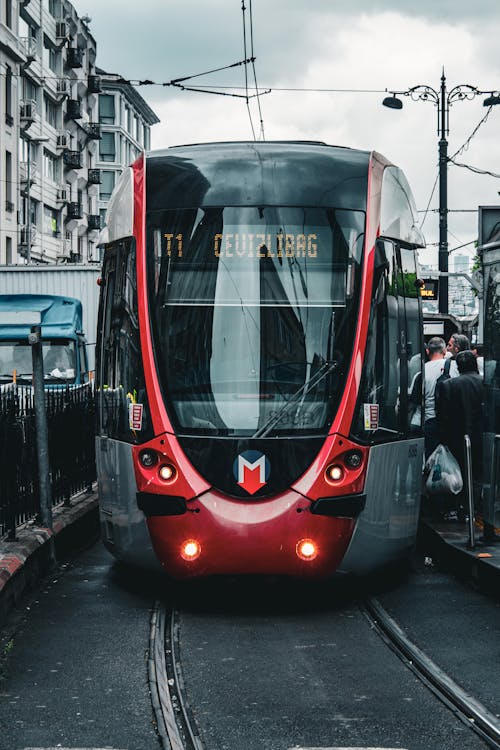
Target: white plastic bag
442, 473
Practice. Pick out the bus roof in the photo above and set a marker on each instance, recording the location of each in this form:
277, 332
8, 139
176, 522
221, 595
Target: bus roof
60, 317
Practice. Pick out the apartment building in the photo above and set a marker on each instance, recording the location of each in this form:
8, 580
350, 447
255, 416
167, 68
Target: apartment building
55, 134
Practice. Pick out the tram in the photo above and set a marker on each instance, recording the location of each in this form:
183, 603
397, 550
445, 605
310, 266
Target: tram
259, 332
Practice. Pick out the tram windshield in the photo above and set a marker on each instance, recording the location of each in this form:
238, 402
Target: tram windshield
253, 313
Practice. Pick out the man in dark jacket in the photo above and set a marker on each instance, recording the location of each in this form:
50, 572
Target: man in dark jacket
459, 412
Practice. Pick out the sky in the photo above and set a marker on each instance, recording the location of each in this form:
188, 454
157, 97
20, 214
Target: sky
360, 48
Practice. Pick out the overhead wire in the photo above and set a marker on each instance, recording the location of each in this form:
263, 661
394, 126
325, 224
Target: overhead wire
252, 57
243, 9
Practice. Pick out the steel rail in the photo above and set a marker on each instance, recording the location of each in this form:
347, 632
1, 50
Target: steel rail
175, 724
471, 712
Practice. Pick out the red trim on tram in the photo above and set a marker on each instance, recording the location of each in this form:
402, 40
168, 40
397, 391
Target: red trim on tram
160, 420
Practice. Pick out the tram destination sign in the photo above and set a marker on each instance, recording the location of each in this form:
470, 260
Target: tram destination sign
430, 289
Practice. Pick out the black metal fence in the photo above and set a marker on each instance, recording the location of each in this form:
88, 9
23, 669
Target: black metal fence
71, 428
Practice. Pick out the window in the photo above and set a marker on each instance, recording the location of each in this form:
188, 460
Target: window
119, 369
51, 57
8, 13
50, 222
106, 109
107, 185
30, 90
8, 95
55, 8
8, 179
51, 167
107, 149
393, 358
8, 250
52, 112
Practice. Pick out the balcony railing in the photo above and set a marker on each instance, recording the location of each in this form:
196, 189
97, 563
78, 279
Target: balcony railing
72, 159
94, 131
75, 57
73, 109
94, 177
74, 210
93, 222
94, 85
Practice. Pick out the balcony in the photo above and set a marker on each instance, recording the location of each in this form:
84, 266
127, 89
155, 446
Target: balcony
27, 171
74, 211
94, 85
27, 235
94, 131
93, 222
28, 111
72, 159
30, 49
73, 109
9, 207
74, 58
94, 177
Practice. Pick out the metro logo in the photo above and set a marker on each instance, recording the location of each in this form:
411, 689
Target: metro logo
251, 470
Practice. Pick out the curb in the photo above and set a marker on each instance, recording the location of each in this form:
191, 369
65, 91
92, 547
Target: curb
26, 560
480, 565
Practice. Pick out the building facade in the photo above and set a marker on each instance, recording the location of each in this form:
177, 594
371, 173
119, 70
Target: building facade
53, 137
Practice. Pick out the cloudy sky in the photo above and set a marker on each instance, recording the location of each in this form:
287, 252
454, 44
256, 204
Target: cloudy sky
360, 47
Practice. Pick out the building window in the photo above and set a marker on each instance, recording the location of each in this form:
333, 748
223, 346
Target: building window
106, 109
8, 250
55, 8
8, 180
51, 167
30, 90
107, 185
8, 13
51, 113
8, 95
50, 222
51, 57
107, 148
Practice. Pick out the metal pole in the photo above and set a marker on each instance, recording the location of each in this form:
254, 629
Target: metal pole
443, 198
42, 435
469, 491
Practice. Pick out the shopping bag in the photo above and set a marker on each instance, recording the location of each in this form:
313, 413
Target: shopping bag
442, 473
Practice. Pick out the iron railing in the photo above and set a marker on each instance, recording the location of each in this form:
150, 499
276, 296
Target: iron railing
71, 428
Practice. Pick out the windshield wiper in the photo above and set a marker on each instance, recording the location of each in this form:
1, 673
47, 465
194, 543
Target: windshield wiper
325, 369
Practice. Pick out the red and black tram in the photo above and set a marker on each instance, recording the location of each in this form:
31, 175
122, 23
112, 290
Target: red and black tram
259, 334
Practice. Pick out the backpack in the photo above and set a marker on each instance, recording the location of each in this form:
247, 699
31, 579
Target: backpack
446, 372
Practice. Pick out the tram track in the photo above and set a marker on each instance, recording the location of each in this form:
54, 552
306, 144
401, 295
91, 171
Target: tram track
469, 710
176, 725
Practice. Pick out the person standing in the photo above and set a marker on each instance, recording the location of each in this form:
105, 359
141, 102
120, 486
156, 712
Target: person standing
458, 342
433, 369
459, 412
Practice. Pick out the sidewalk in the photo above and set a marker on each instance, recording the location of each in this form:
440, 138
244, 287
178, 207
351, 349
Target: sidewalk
448, 541
24, 561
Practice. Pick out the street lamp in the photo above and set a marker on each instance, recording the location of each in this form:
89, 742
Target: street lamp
442, 99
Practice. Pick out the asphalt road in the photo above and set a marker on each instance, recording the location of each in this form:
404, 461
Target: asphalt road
265, 665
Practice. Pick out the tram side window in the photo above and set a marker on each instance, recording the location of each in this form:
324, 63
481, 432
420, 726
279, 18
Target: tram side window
378, 411
122, 383
492, 349
414, 338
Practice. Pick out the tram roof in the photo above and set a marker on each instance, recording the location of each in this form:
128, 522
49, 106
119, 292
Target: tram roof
291, 173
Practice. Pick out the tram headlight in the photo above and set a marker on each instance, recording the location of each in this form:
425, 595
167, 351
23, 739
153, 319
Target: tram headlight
190, 550
167, 472
353, 459
148, 459
306, 549
334, 473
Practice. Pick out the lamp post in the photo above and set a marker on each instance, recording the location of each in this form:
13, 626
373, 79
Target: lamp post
442, 99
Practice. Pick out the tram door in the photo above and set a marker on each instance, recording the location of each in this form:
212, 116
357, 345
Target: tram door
491, 473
